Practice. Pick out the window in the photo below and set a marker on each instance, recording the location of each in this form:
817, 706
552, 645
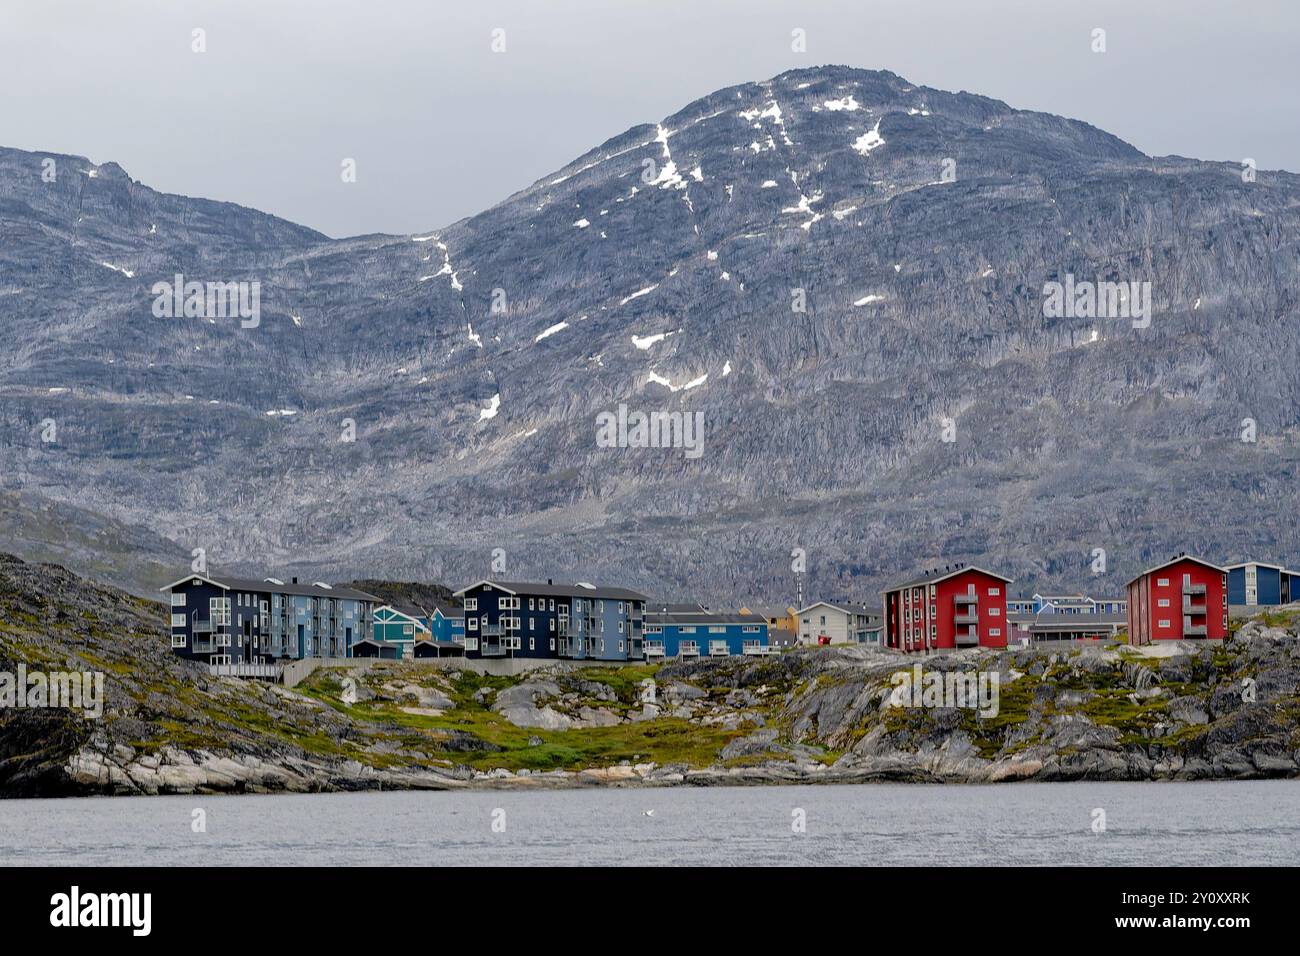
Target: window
620, 647
472, 622
532, 624
219, 611
620, 610
178, 640
995, 612
552, 643
178, 599
1163, 602
994, 592
1162, 623
532, 644
471, 604
995, 632
552, 604
178, 620
1162, 582
689, 629
620, 627
408, 628
531, 605
552, 620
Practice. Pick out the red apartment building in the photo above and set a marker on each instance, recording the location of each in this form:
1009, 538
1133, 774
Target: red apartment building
961, 606
1184, 598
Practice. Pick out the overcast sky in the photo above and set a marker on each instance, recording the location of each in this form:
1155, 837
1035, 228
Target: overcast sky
441, 127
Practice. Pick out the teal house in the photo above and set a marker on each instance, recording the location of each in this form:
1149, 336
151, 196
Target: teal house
396, 629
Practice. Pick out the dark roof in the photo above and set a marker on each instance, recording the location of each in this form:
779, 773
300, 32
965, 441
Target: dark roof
410, 610
693, 614
560, 590
940, 575
448, 610
1066, 622
268, 587
781, 635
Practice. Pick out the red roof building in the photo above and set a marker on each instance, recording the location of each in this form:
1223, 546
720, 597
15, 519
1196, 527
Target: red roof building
958, 607
1183, 599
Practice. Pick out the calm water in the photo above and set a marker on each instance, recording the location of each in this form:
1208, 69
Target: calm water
1146, 824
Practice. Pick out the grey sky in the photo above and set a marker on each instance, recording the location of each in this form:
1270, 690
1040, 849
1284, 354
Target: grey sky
441, 127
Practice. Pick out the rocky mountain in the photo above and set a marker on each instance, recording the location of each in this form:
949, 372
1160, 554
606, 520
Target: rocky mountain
839, 270
809, 715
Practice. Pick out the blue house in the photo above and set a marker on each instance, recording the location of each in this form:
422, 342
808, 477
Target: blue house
559, 621
692, 630
447, 623
1254, 583
228, 620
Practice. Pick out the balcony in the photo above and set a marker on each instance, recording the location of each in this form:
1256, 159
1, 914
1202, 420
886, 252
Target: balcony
754, 648
258, 671
1193, 589
492, 630
967, 617
654, 649
970, 597
203, 627
493, 650
688, 649
968, 638
719, 649
1196, 610
566, 648
637, 614
1194, 630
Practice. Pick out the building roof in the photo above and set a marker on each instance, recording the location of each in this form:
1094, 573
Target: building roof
1175, 560
845, 607
1261, 564
1066, 622
694, 614
581, 589
781, 635
448, 610
935, 576
410, 610
769, 610
275, 586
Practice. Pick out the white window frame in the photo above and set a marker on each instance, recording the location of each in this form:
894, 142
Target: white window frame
178, 599
471, 604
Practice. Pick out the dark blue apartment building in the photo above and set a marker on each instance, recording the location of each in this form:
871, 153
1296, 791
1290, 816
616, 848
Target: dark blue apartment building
692, 630
227, 620
560, 621
1254, 583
